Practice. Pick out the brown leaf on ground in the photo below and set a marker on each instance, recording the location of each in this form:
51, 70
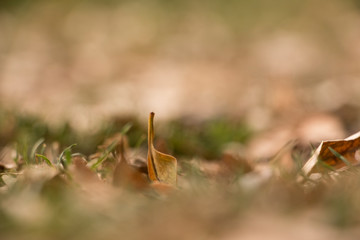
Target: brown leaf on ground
312, 128
161, 167
234, 160
139, 163
91, 186
7, 155
162, 188
347, 148
81, 173
125, 174
39, 173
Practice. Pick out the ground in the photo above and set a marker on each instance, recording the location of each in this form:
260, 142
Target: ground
243, 94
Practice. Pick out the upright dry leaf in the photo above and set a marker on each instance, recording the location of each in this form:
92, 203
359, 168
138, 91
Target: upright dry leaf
161, 167
347, 149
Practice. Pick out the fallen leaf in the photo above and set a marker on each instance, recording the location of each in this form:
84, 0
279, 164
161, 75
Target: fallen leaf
312, 128
7, 156
124, 173
38, 173
91, 186
234, 159
337, 154
140, 164
161, 167
162, 188
80, 172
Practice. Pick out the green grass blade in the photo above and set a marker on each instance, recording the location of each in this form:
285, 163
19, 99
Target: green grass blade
105, 154
341, 157
42, 149
325, 165
34, 148
48, 162
65, 151
126, 128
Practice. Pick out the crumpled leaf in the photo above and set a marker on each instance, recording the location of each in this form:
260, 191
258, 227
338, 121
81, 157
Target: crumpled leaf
161, 167
337, 154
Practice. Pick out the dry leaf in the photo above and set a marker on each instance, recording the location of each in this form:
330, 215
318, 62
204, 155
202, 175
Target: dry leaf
7, 155
93, 189
162, 188
234, 159
161, 167
347, 148
125, 174
82, 174
139, 163
39, 173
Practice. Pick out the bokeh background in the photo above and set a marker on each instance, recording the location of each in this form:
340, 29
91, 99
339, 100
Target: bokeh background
243, 91
262, 61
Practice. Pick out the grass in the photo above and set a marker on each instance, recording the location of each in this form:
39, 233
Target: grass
205, 139
42, 199
51, 194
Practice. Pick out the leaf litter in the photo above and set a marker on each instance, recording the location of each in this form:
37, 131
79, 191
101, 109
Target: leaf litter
120, 184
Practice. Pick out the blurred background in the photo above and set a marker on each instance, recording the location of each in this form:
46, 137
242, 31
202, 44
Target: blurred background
231, 82
266, 62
